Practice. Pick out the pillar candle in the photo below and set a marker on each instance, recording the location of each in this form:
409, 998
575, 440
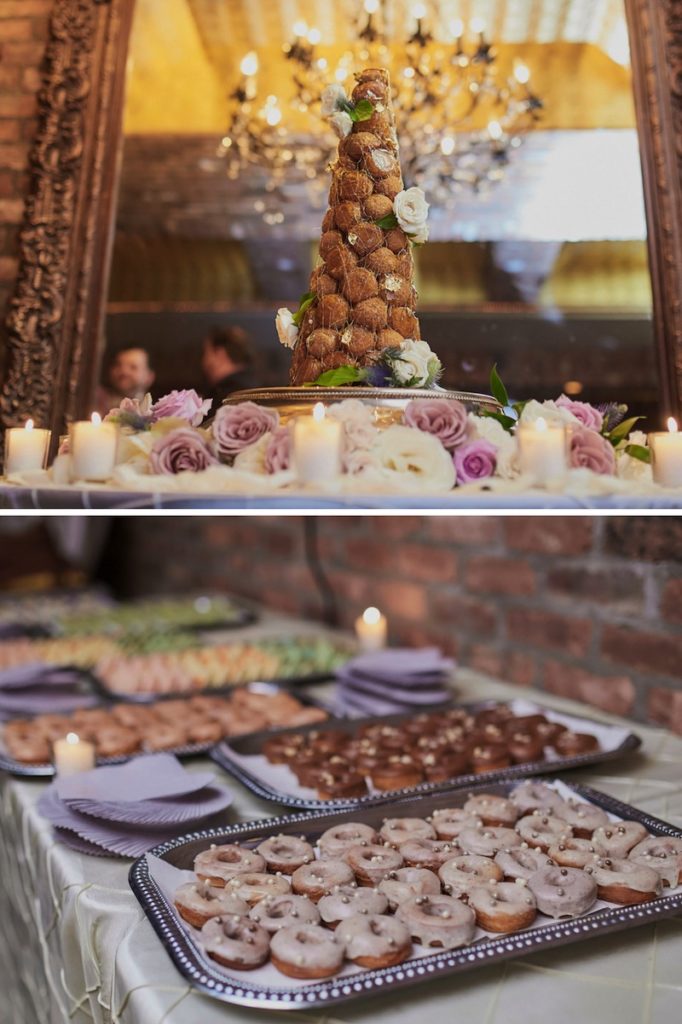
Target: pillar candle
73, 755
92, 445
25, 448
542, 450
317, 447
666, 452
371, 629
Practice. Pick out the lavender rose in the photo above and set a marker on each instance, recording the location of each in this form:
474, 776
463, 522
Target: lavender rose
278, 452
589, 450
583, 412
475, 460
235, 427
182, 449
183, 405
444, 419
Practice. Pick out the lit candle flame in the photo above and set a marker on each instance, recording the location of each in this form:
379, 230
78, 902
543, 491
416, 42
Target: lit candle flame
29, 425
273, 115
456, 27
672, 424
249, 64
371, 6
314, 36
477, 25
371, 616
541, 424
318, 412
72, 738
96, 419
495, 130
300, 27
522, 74
447, 145
419, 11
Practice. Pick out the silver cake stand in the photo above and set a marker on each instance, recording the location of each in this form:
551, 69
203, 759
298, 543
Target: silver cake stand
387, 403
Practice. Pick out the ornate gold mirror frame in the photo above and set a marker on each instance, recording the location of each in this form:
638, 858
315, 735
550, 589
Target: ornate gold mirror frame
54, 327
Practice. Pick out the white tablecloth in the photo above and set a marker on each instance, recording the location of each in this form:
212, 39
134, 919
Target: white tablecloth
75, 945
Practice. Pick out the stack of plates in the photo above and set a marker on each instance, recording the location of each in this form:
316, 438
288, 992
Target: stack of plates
393, 681
39, 688
127, 809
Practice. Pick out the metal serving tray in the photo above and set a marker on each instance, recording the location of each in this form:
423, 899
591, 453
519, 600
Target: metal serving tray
244, 989
47, 771
233, 756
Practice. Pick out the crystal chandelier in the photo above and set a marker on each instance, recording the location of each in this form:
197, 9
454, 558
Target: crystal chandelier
446, 81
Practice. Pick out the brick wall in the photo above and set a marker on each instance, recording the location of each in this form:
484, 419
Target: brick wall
583, 607
23, 35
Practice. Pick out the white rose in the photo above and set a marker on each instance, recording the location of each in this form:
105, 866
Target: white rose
628, 468
358, 423
252, 459
332, 99
412, 366
489, 429
411, 211
550, 412
415, 459
342, 123
287, 331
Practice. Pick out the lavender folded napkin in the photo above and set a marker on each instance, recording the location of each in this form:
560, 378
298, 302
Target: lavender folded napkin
41, 688
394, 680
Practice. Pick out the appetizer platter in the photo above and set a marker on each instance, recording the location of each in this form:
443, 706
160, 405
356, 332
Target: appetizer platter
374, 760
309, 910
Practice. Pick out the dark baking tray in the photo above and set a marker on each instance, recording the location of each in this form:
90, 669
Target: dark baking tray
206, 976
253, 743
46, 771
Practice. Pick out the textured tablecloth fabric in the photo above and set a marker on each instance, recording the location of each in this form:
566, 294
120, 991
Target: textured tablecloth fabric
75, 945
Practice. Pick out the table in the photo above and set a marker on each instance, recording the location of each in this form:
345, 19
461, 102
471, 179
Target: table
75, 945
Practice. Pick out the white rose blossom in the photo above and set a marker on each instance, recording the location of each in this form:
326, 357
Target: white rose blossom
628, 468
342, 123
550, 412
252, 459
488, 429
358, 423
415, 365
414, 459
287, 331
333, 98
411, 211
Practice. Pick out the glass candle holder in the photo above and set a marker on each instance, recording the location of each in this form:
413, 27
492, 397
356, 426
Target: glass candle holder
543, 450
26, 448
317, 447
93, 446
666, 455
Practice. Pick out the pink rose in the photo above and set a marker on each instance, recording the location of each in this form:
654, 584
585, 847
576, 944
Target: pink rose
475, 460
278, 452
183, 405
235, 427
583, 412
446, 420
589, 450
181, 449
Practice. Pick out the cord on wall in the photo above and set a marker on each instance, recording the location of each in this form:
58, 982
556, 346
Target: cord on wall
330, 609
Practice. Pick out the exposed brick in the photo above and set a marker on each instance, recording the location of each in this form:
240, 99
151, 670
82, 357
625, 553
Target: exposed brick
8, 268
13, 157
605, 584
648, 652
23, 55
469, 530
665, 707
370, 555
9, 77
397, 597
25, 8
11, 210
463, 614
17, 30
10, 131
671, 601
509, 666
651, 538
31, 79
424, 562
493, 575
558, 535
537, 628
611, 693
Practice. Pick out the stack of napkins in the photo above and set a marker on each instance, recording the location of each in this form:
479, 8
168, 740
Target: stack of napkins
394, 680
38, 688
127, 809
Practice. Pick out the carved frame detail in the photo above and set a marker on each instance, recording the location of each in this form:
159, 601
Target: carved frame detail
55, 317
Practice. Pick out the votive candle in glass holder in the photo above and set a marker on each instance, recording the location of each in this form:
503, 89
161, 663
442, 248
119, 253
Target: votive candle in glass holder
371, 630
73, 755
666, 455
317, 447
543, 450
26, 448
92, 446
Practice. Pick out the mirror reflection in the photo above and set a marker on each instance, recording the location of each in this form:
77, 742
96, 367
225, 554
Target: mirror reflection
516, 118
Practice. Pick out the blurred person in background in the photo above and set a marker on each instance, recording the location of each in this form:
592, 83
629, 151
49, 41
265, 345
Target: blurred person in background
130, 375
227, 363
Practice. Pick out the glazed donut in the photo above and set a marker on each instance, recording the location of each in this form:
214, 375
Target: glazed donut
617, 838
486, 842
198, 903
438, 921
531, 796
335, 843
375, 941
664, 855
462, 873
348, 900
492, 810
583, 818
403, 884
165, 736
504, 907
624, 881
306, 951
398, 772
116, 741
219, 864
570, 852
285, 853
572, 744
372, 863
489, 757
235, 942
395, 831
449, 822
563, 892
337, 786
320, 877
275, 912
522, 862
254, 886
541, 831
427, 853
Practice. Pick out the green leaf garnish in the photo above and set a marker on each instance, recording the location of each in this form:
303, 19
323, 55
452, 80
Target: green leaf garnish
306, 301
638, 451
362, 111
387, 222
497, 387
506, 421
622, 430
338, 377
